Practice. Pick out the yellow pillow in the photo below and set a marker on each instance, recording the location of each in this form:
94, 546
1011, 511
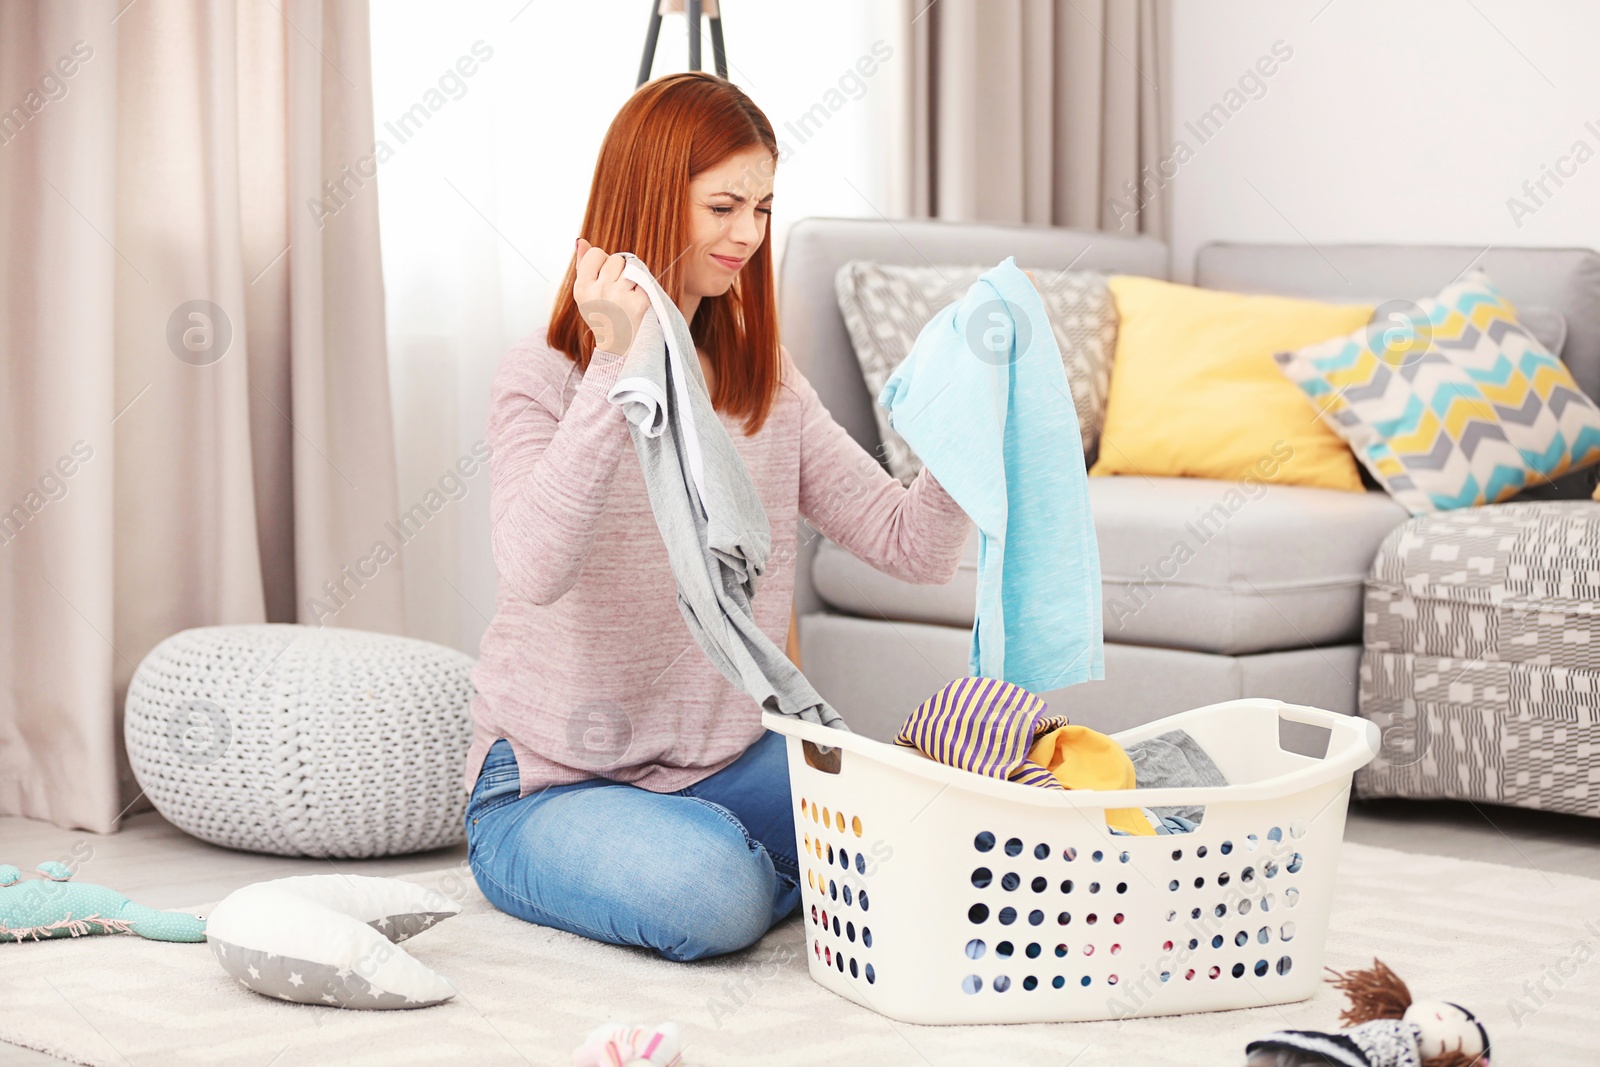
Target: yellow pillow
1195, 391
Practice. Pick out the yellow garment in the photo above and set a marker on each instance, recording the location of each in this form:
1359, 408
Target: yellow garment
1195, 391
1081, 758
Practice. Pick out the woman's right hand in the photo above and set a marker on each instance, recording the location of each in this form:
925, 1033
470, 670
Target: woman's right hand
612, 305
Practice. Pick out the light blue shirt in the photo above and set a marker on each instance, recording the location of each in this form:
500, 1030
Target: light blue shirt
983, 399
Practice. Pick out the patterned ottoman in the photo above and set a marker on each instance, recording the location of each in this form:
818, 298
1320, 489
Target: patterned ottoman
1482, 659
302, 741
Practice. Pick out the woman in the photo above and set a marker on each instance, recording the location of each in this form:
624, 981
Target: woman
621, 787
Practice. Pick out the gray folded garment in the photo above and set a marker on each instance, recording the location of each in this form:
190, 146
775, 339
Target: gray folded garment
707, 508
1174, 759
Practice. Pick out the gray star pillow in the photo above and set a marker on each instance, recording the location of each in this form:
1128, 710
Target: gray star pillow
885, 307
330, 939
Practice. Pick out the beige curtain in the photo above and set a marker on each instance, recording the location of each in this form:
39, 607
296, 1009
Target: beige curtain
196, 404
1043, 112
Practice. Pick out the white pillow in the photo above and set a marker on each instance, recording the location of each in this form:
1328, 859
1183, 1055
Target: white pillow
330, 939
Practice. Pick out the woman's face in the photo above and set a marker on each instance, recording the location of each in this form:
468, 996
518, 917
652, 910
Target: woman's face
728, 209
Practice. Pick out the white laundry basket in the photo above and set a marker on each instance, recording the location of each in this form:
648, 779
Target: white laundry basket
935, 895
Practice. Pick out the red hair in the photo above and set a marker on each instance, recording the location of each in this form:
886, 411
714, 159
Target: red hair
668, 131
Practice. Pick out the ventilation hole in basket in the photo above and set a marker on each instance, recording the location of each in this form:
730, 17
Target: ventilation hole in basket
1035, 917
1064, 918
1238, 970
1264, 935
1030, 982
1014, 847
844, 859
1270, 869
1225, 848
830, 855
838, 820
853, 967
838, 959
1066, 885
1173, 885
1244, 906
861, 898
978, 913
861, 864
1199, 883
802, 803
1033, 950
1251, 841
1297, 830
827, 956
826, 821
814, 817
971, 983
983, 842
1117, 918
1122, 887
1247, 875
1098, 856
813, 915
1261, 968
1194, 943
1001, 983
1062, 950
1091, 918
1188, 976
1166, 976
836, 926
866, 936
850, 931
1195, 914
1224, 878
1010, 881
1292, 896
1287, 932
1041, 851
1201, 852
1069, 854
1275, 834
975, 948
1088, 950
808, 842
1094, 887
1241, 938
1040, 884
1172, 915
1008, 915
833, 890
1216, 942
1111, 979
1123, 857
1084, 981
1215, 972
871, 975
1116, 950
1284, 963
855, 824
1268, 901
1177, 854
1295, 863
847, 892
1058, 981
811, 878
982, 877
1166, 946
1220, 910
1004, 950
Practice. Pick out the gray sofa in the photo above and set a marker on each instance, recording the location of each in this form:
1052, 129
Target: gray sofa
1269, 605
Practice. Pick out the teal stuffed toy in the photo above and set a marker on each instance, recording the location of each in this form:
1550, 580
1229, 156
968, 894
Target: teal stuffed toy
52, 908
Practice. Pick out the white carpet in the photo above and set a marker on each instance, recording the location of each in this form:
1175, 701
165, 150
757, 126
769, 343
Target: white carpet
1469, 932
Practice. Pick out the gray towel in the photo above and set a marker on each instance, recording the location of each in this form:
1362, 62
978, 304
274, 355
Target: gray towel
707, 508
1174, 759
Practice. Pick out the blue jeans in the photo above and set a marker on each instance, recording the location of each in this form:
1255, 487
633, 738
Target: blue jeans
699, 872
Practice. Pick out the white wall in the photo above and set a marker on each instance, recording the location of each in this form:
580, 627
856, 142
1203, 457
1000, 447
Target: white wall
1389, 122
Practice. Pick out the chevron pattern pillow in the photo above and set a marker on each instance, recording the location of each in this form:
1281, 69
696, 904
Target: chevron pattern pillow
1451, 402
885, 307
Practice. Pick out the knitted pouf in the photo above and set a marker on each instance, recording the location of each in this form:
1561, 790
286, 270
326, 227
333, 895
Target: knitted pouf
303, 741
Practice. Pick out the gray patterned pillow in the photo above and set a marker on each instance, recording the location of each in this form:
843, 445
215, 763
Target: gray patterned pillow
886, 306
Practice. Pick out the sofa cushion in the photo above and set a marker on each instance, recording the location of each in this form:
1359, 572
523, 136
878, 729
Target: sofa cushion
1185, 563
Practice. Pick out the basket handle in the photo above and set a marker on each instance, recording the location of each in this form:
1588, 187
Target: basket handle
828, 762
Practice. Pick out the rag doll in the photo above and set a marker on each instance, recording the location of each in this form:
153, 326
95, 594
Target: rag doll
615, 1045
38, 908
1384, 1027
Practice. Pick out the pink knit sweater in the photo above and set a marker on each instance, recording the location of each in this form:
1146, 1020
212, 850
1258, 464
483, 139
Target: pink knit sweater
588, 668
